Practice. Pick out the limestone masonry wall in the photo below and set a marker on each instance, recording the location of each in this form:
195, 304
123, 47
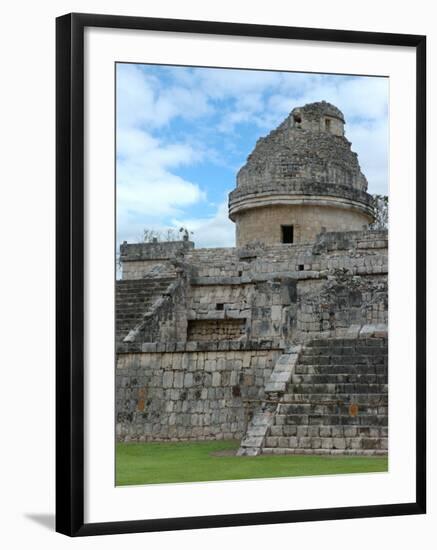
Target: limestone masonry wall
280, 293
190, 395
220, 329
341, 302
151, 258
306, 223
204, 355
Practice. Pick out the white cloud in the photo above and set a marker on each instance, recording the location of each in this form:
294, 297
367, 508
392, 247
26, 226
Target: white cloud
135, 97
233, 83
371, 142
363, 101
147, 189
142, 100
357, 97
215, 231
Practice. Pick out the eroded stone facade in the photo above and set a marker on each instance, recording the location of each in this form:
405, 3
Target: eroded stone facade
305, 171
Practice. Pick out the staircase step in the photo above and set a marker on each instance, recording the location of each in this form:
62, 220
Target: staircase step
337, 378
338, 343
370, 368
360, 399
286, 430
361, 359
133, 298
341, 443
337, 388
330, 408
336, 420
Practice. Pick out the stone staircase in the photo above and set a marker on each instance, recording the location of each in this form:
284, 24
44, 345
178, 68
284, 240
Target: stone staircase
133, 298
336, 401
256, 432
263, 418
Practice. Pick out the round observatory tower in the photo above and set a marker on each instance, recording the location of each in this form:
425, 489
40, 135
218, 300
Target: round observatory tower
299, 180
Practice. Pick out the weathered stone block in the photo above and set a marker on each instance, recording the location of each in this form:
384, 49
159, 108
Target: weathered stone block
216, 379
338, 443
178, 380
167, 379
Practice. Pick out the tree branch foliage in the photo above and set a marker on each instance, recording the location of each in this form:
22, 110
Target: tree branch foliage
166, 235
381, 212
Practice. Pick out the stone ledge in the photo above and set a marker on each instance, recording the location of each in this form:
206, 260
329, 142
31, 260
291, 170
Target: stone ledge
283, 371
306, 274
183, 347
258, 277
300, 188
167, 250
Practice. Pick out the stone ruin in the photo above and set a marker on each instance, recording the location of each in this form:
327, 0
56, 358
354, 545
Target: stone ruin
280, 342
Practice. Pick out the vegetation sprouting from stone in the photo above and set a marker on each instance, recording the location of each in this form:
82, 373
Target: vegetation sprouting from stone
165, 235
381, 212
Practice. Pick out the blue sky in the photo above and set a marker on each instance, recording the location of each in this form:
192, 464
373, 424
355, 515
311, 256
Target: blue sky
183, 133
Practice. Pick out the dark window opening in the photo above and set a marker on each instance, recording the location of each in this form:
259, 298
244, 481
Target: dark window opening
240, 273
297, 119
287, 234
219, 306
327, 124
300, 267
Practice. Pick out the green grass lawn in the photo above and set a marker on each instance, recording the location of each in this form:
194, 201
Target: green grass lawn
141, 463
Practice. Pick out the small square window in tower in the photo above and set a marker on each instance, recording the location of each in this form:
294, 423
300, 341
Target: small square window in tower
287, 234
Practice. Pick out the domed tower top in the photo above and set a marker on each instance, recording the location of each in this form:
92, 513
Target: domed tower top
300, 179
319, 117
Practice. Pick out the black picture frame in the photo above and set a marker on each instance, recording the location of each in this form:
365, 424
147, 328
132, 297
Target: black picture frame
70, 273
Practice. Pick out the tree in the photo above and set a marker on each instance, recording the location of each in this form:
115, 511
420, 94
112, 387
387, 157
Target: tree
166, 235
381, 212
150, 235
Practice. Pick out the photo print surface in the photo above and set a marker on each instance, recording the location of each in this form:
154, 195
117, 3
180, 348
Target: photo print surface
252, 274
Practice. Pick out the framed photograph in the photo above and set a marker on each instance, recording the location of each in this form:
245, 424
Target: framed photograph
240, 274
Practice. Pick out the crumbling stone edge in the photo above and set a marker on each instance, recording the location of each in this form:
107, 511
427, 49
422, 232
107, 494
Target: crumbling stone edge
262, 419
